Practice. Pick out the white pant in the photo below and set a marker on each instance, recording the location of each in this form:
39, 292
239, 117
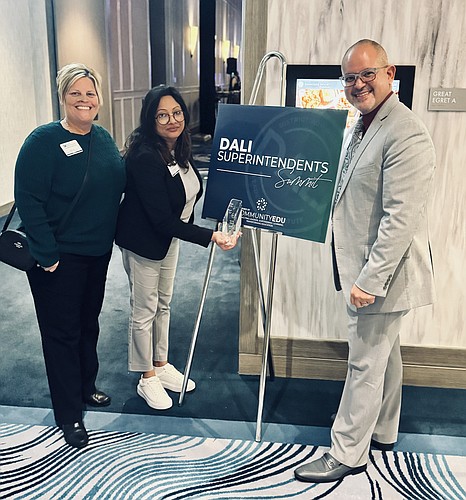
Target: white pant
371, 401
151, 289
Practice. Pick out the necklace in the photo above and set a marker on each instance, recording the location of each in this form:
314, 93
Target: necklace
66, 125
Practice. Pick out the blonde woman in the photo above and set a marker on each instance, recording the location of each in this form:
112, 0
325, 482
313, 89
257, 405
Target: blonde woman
57, 162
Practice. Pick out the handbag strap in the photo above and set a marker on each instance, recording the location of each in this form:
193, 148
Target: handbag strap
73, 203
78, 194
10, 216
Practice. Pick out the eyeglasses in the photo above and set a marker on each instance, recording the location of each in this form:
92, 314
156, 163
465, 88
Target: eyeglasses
164, 118
366, 75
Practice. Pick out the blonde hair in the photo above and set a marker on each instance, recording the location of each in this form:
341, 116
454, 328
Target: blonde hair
67, 75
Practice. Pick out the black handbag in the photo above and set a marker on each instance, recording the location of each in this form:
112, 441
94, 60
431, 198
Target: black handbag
14, 247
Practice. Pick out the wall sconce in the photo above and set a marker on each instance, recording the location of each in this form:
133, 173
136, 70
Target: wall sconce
236, 51
193, 32
225, 49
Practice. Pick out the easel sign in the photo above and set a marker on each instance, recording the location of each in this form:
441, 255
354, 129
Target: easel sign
280, 162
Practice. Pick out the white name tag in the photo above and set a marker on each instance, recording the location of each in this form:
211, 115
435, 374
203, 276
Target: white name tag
71, 148
174, 169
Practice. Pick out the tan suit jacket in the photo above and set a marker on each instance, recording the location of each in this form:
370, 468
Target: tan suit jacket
380, 220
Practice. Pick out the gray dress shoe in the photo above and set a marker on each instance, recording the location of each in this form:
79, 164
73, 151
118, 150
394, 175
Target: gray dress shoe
382, 446
326, 470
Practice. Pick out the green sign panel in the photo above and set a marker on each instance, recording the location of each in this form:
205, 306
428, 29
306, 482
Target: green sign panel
280, 162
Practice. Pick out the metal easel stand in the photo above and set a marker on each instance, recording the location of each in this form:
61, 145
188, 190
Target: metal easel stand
267, 321
192, 347
266, 310
260, 288
267, 359
260, 74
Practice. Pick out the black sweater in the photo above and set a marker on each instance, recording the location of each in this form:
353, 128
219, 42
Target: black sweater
46, 181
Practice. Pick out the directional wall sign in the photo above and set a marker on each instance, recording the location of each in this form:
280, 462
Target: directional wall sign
447, 99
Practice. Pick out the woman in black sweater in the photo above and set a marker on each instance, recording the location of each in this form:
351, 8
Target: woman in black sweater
157, 211
73, 252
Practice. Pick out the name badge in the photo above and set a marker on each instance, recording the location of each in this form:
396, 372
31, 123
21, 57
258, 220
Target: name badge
71, 148
174, 169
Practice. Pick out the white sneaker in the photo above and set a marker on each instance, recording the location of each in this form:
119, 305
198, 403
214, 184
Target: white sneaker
172, 379
155, 395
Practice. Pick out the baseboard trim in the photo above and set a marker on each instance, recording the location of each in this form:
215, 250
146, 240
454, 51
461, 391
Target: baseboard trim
422, 366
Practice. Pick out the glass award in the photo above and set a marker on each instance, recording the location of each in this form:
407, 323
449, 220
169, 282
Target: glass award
232, 219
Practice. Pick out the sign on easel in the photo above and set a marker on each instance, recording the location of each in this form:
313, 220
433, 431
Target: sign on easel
280, 162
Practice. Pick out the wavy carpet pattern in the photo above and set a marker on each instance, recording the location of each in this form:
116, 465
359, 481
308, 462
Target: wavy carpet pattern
35, 463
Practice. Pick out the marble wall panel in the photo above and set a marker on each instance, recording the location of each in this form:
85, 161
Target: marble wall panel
26, 86
431, 35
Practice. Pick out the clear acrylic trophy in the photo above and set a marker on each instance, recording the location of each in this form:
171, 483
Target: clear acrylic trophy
232, 219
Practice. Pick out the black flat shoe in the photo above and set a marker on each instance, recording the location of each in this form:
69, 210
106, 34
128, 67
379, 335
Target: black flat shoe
99, 398
382, 446
75, 434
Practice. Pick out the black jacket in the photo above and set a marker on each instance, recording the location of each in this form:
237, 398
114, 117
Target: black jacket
150, 212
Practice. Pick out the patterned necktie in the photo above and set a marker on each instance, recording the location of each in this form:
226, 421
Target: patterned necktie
352, 147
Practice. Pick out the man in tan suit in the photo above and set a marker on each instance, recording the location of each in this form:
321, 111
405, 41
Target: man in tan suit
381, 256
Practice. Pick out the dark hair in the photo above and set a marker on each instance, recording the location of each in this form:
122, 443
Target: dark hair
145, 136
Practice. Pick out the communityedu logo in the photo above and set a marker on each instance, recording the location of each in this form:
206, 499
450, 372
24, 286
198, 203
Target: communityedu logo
261, 204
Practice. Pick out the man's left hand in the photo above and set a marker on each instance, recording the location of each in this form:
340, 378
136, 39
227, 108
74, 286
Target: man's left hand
359, 298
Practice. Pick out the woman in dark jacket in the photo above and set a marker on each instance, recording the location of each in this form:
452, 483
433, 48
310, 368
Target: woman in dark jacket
162, 188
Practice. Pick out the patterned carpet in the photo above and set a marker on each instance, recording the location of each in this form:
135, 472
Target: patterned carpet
35, 463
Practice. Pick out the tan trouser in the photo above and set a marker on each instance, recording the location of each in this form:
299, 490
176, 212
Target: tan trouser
371, 400
151, 289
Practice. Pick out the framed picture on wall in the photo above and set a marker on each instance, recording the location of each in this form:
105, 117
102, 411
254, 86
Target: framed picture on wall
318, 86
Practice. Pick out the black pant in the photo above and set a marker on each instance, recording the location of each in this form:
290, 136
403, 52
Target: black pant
68, 303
